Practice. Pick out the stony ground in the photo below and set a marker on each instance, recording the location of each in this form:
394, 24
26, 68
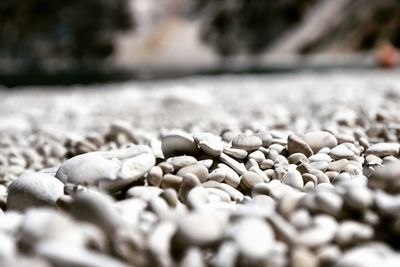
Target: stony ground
282, 170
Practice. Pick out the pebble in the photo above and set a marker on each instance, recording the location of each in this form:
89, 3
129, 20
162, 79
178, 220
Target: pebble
320, 139
177, 143
181, 161
383, 149
247, 142
294, 179
88, 169
239, 168
34, 190
341, 152
154, 176
197, 169
297, 145
250, 179
235, 152
209, 143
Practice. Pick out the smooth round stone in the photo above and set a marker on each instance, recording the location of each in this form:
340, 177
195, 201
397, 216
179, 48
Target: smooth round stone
351, 232
247, 142
297, 158
266, 164
96, 208
322, 232
200, 229
383, 149
367, 256
189, 181
257, 156
319, 165
231, 177
337, 165
297, 145
154, 176
209, 143
197, 169
294, 179
217, 175
301, 219
125, 153
302, 257
250, 179
235, 165
143, 192
254, 238
359, 197
87, 168
319, 139
341, 152
177, 143
171, 181
235, 194
166, 167
329, 202
182, 161
320, 157
236, 152
34, 190
136, 167
206, 163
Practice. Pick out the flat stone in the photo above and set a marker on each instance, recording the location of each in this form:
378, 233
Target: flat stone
247, 142
383, 149
87, 168
322, 232
236, 152
154, 176
337, 165
136, 167
231, 177
341, 152
34, 190
209, 143
320, 139
297, 145
235, 165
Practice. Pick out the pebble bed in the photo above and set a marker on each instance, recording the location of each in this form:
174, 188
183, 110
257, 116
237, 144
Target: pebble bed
301, 187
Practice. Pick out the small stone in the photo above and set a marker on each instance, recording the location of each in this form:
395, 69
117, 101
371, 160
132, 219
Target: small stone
177, 143
235, 165
246, 142
217, 175
294, 179
341, 152
320, 157
209, 143
351, 232
302, 257
383, 149
337, 165
322, 232
297, 158
136, 167
254, 238
87, 168
197, 169
236, 153
358, 197
143, 192
329, 202
297, 145
154, 177
34, 190
250, 179
320, 139
181, 161
171, 181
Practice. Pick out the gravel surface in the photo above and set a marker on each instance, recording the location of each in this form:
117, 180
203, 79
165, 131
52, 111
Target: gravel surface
284, 170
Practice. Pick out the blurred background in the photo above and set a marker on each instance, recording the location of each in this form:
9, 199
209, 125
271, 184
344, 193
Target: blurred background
62, 42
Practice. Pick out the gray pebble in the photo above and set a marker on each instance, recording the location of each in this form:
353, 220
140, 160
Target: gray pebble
246, 142
320, 139
294, 179
297, 145
197, 169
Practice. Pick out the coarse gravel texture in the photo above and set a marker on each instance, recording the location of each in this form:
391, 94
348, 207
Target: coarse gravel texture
296, 169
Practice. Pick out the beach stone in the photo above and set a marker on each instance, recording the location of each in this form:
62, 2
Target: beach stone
239, 168
154, 176
383, 149
200, 229
322, 232
179, 162
341, 152
250, 179
143, 192
178, 142
246, 142
209, 143
253, 237
88, 169
329, 202
136, 167
294, 179
34, 190
358, 197
297, 158
302, 257
237, 153
337, 165
197, 169
217, 175
351, 232
297, 145
319, 139
320, 157
171, 181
